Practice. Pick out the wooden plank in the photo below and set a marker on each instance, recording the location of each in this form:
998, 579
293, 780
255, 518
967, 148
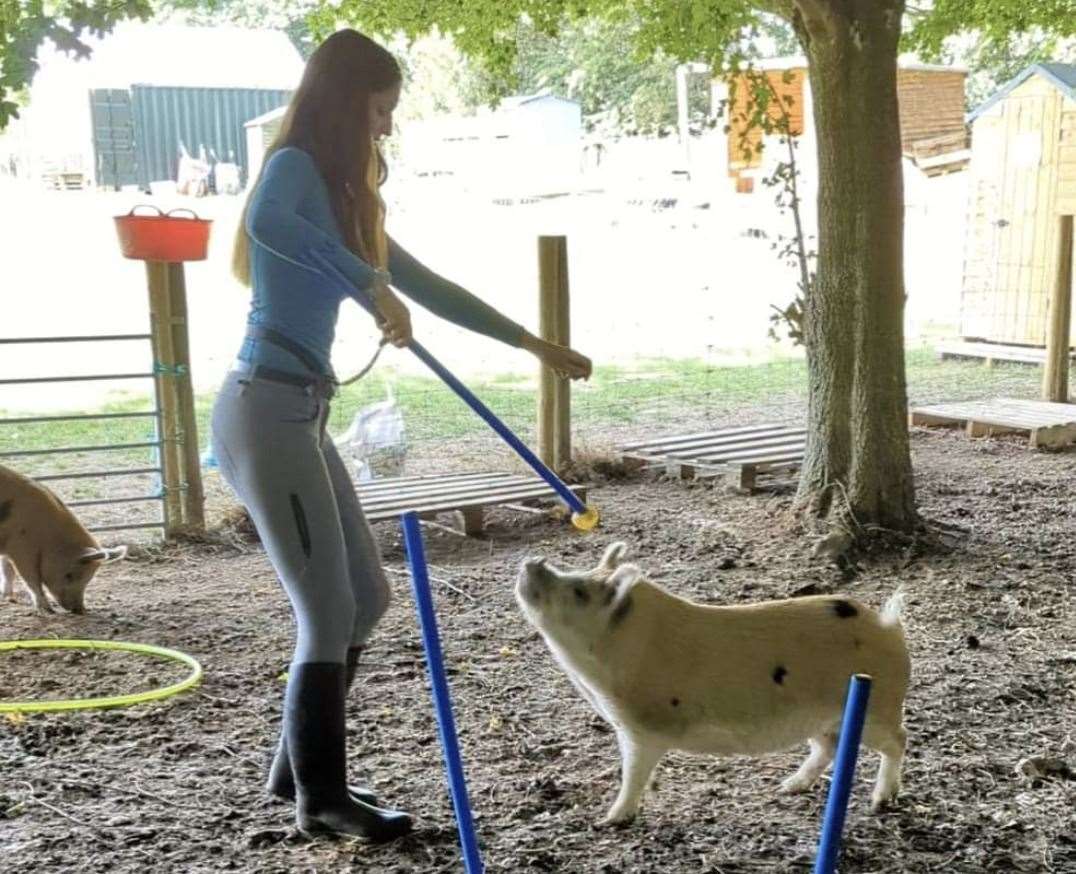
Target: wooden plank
1044, 408
432, 510
1053, 436
997, 351
976, 428
472, 520
1052, 408
997, 417
755, 458
700, 436
918, 418
732, 449
492, 493
444, 487
432, 505
730, 444
956, 408
405, 481
1047, 424
746, 477
704, 453
434, 488
448, 494
742, 478
701, 467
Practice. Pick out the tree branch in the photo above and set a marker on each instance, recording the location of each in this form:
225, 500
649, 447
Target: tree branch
816, 15
782, 8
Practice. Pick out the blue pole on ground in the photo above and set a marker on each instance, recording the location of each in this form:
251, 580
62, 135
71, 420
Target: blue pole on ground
583, 517
416, 559
844, 768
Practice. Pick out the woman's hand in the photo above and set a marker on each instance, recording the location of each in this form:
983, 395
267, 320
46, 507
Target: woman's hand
564, 361
394, 319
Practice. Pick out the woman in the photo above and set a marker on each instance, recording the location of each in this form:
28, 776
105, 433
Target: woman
316, 207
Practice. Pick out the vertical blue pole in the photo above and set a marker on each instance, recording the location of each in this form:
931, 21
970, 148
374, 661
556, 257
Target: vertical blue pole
416, 559
844, 768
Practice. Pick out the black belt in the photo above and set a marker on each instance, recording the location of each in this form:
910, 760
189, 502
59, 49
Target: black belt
314, 384
317, 381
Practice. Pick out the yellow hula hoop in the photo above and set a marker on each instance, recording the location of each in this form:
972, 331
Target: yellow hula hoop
113, 701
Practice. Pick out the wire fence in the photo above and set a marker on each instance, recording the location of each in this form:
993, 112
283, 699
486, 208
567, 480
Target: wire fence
671, 297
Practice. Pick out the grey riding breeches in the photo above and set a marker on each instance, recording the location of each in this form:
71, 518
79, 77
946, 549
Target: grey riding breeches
273, 449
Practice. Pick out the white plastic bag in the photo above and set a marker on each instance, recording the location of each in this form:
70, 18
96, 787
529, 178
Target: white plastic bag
376, 440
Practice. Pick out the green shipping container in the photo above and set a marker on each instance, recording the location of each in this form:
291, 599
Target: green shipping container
138, 134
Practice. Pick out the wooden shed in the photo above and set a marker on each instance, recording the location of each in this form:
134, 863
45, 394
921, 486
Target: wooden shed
1023, 179
932, 124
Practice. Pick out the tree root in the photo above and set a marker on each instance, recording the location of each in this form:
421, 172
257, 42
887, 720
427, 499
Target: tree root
839, 536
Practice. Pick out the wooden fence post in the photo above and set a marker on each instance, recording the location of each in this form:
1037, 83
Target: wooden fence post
1055, 377
184, 498
193, 494
554, 325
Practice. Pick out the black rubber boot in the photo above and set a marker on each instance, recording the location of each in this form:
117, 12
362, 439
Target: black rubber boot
317, 741
281, 783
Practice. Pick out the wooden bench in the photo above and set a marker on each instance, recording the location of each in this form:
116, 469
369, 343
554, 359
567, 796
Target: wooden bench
1047, 424
744, 454
467, 495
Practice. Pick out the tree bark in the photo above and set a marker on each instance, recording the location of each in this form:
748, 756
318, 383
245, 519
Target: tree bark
857, 469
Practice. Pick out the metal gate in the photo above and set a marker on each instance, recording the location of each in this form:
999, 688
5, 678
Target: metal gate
155, 445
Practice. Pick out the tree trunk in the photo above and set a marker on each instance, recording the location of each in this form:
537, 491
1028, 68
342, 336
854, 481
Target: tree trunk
857, 468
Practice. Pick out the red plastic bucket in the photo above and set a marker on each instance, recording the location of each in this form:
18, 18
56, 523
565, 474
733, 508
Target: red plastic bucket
164, 236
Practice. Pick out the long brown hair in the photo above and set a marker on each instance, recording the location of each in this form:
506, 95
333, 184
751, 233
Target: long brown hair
328, 117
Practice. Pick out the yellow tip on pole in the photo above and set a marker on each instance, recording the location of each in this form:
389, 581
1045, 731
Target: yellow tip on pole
588, 520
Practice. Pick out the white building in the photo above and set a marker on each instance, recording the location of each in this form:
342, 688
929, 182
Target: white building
528, 145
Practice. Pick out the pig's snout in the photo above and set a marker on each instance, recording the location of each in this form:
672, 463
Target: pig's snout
74, 601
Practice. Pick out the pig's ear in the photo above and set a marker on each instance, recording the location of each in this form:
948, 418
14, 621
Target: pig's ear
109, 554
613, 556
91, 553
620, 585
624, 578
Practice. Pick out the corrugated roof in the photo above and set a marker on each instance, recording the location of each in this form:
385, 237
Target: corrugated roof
1061, 76
179, 55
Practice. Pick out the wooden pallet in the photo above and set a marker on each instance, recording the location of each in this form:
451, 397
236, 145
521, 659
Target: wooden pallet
743, 454
1047, 424
991, 352
467, 495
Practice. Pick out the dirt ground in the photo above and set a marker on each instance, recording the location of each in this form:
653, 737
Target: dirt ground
176, 787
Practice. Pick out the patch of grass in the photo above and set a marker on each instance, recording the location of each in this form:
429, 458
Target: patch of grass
649, 390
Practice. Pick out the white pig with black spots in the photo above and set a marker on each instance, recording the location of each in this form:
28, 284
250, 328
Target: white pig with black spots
669, 674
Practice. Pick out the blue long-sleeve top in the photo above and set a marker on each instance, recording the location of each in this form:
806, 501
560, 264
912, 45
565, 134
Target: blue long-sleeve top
293, 231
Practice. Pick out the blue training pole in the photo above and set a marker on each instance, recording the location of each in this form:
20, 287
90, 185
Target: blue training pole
416, 558
469, 398
497, 425
844, 768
